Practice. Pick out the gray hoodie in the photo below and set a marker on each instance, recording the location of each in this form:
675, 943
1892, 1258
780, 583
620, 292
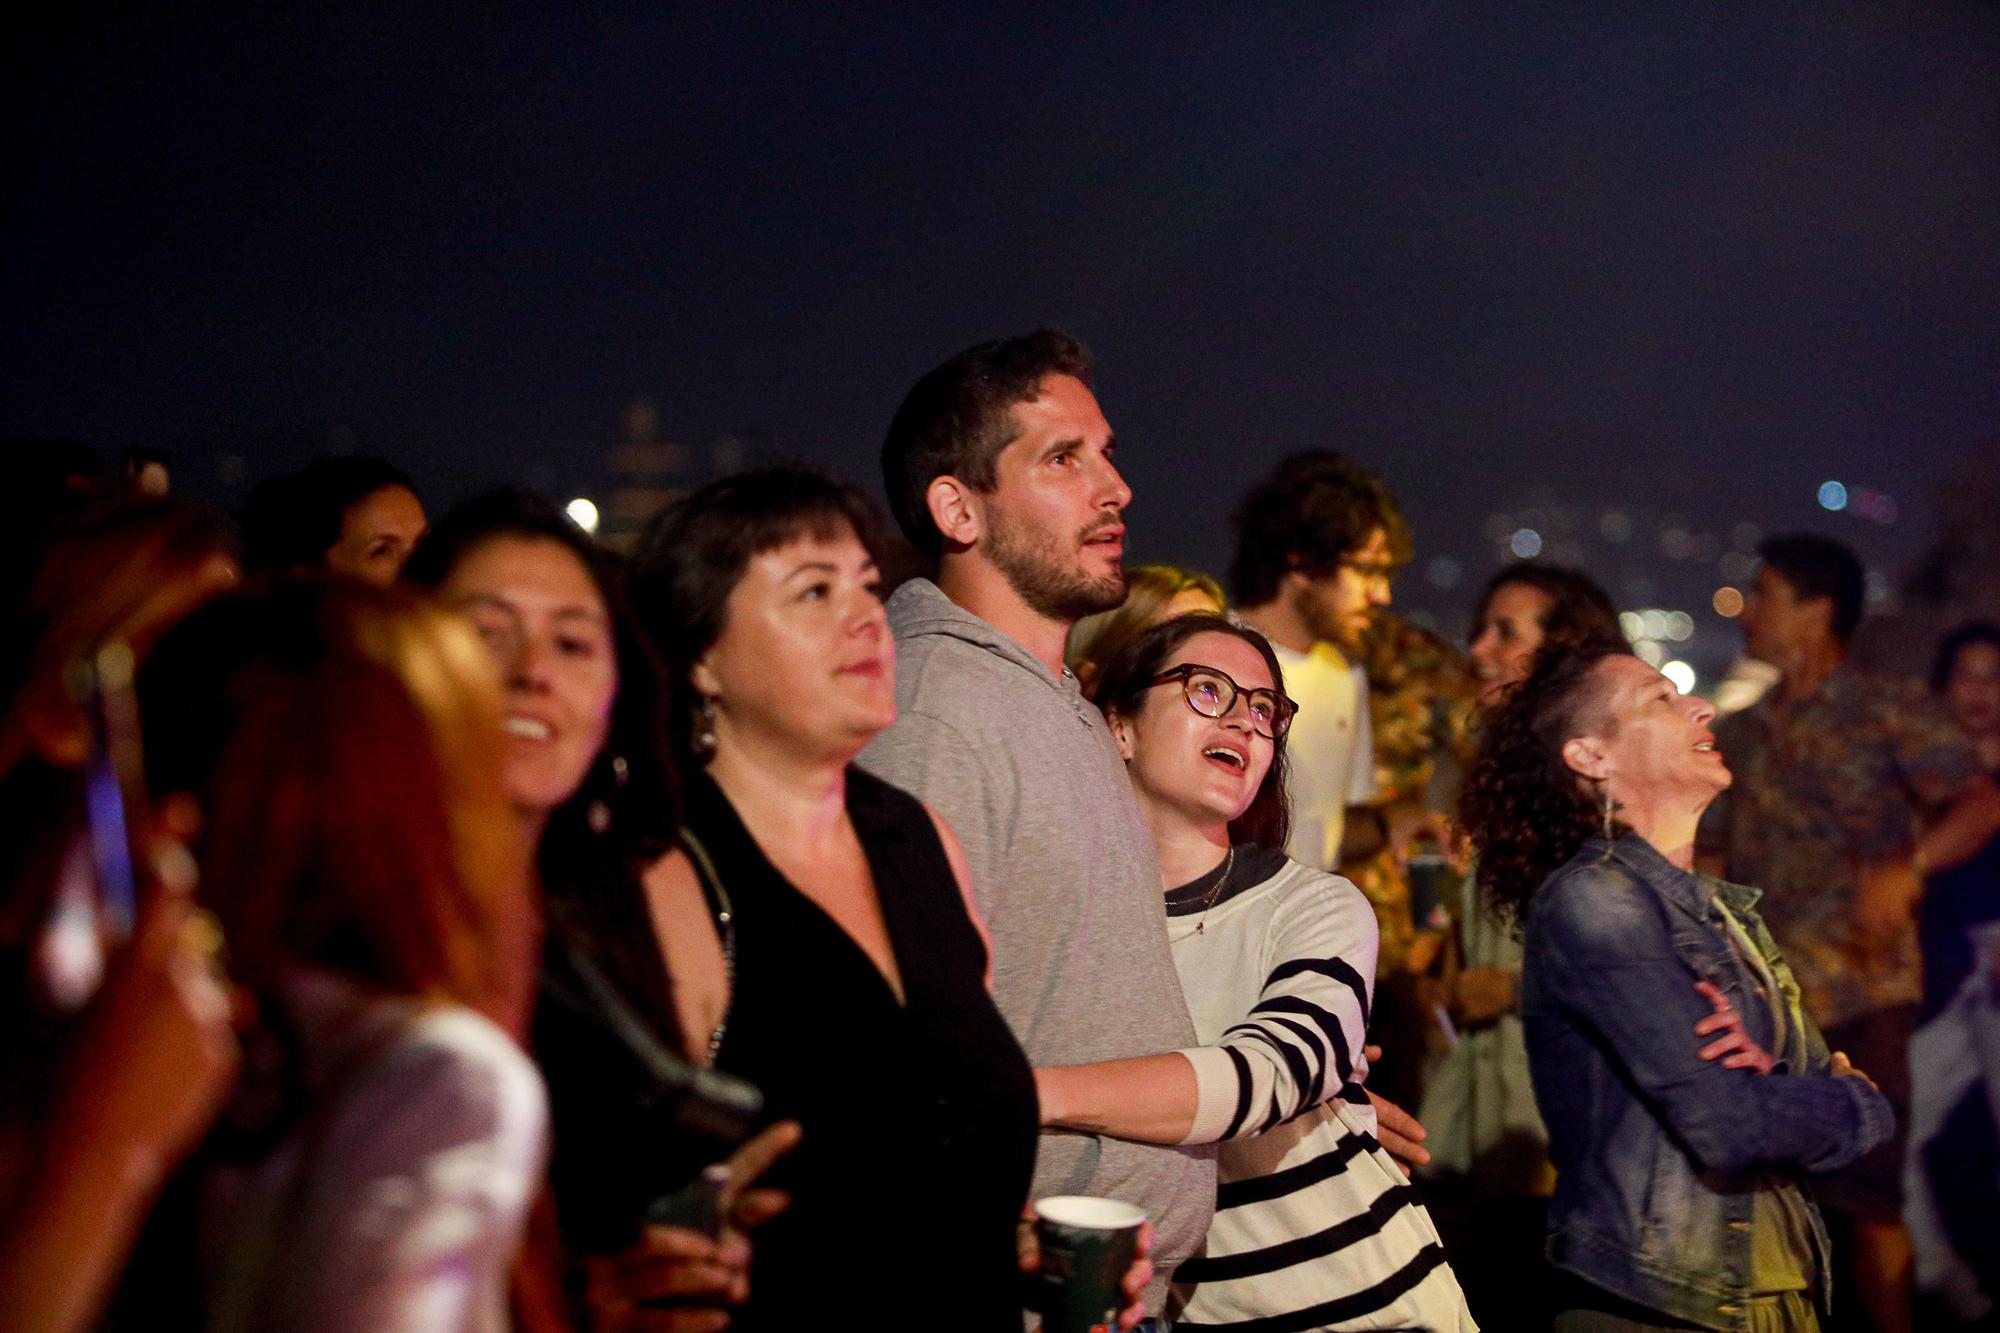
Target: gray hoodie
1024, 769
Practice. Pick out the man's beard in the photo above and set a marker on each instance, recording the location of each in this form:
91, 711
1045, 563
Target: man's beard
1043, 573
1324, 623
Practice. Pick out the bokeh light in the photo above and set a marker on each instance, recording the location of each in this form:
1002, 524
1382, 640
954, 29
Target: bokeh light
582, 513
1728, 602
1526, 543
1681, 674
1833, 496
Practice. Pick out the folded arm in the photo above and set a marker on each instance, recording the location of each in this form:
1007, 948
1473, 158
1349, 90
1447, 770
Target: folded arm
1602, 946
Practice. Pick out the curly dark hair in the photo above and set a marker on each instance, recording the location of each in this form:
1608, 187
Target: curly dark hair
958, 418
1313, 511
1526, 811
1128, 674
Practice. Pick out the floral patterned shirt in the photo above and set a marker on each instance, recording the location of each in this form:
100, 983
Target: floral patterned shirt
1822, 787
1421, 695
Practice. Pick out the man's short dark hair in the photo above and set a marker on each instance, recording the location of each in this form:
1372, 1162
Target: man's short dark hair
958, 418
1821, 567
1314, 510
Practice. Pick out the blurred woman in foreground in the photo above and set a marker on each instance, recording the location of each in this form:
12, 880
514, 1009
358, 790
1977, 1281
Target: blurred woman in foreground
375, 1165
1677, 1195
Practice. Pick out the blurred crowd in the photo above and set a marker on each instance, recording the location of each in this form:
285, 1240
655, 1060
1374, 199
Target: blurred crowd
441, 921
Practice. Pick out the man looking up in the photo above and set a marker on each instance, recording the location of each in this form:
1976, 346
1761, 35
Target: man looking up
999, 467
1312, 565
1849, 788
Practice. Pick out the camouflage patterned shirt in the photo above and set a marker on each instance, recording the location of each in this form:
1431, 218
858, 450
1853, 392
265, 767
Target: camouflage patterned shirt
1822, 787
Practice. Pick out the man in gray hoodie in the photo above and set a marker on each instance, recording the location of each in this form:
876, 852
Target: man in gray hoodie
998, 465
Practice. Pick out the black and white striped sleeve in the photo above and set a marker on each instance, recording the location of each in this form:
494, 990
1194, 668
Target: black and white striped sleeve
1300, 1044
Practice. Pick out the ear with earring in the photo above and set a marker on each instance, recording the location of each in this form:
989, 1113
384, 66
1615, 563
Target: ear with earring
598, 816
703, 740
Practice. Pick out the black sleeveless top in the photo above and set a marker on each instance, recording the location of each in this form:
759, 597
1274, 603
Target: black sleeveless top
919, 1119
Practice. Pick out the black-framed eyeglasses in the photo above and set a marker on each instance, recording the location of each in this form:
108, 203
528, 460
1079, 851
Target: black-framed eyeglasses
1212, 693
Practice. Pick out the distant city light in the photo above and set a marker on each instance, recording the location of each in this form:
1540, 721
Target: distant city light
582, 513
1876, 506
1649, 652
1655, 622
1680, 626
1728, 602
1443, 572
1615, 525
1526, 543
1681, 674
1833, 496
1737, 567
1746, 536
1632, 625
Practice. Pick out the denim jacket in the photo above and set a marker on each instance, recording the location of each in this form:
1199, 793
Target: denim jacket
1657, 1152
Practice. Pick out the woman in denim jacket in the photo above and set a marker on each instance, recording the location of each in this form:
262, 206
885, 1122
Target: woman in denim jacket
1678, 1201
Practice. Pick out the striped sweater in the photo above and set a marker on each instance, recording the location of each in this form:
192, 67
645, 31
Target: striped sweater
1315, 1227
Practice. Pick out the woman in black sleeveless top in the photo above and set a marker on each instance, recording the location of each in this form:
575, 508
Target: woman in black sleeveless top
819, 932
917, 1116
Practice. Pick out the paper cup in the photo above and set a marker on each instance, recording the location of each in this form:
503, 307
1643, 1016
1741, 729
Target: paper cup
1087, 1245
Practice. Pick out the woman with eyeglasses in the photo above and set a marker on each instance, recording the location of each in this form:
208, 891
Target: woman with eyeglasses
1315, 1225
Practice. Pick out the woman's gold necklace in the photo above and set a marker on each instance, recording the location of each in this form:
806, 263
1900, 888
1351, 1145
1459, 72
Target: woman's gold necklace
1201, 926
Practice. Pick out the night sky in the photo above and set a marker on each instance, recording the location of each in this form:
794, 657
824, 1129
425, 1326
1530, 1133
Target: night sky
1685, 260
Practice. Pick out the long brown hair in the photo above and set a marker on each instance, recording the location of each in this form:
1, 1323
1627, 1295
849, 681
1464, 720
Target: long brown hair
344, 744
1129, 674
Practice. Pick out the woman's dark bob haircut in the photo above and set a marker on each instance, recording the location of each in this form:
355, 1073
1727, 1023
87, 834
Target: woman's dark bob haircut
1127, 677
693, 554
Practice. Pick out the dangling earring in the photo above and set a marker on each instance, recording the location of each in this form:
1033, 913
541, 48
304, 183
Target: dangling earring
703, 743
1604, 789
598, 816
